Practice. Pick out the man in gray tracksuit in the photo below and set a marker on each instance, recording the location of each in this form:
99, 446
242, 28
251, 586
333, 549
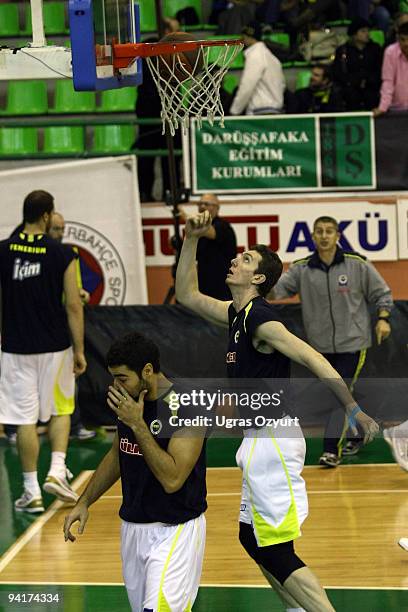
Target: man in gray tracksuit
336, 288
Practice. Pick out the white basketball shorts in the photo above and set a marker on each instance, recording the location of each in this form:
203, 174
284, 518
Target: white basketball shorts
274, 498
36, 387
162, 564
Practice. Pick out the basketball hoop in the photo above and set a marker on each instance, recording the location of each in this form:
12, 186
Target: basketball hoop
188, 76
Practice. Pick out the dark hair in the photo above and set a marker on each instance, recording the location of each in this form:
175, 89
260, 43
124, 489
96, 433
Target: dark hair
403, 29
270, 265
134, 350
326, 220
36, 204
327, 70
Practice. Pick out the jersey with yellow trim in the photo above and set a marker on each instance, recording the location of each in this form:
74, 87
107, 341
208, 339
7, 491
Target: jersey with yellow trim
243, 360
34, 320
144, 499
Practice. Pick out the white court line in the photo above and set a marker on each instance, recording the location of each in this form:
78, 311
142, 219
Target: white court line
213, 586
328, 492
38, 525
319, 467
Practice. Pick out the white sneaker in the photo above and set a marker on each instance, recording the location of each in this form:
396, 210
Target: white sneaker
83, 434
29, 503
404, 543
399, 446
58, 485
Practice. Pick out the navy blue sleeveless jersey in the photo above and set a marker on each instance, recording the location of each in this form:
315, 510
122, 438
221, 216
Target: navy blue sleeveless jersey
32, 268
243, 360
144, 499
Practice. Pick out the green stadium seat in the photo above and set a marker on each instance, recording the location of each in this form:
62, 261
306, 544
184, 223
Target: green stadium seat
378, 37
230, 82
171, 7
281, 38
67, 100
303, 79
53, 15
26, 98
113, 138
64, 139
148, 22
9, 24
18, 141
118, 100
216, 52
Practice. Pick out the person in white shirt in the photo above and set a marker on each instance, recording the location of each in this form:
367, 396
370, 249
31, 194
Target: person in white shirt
262, 83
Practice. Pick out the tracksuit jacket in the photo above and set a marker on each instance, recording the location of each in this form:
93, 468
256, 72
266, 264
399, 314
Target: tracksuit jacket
335, 299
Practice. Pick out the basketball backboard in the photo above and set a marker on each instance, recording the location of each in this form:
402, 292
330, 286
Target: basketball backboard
95, 25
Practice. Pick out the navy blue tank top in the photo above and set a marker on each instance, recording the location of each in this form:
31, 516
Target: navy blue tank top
144, 499
243, 360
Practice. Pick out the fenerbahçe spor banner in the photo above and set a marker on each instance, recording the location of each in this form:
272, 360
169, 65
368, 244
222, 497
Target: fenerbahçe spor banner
99, 200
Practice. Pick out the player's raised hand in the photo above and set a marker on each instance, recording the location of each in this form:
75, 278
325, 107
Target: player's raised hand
197, 225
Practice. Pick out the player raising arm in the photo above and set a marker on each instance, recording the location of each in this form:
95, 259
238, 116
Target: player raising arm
244, 279
274, 501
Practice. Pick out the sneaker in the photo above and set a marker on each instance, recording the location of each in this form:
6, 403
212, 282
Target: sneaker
329, 460
404, 543
351, 448
58, 486
29, 503
83, 434
399, 447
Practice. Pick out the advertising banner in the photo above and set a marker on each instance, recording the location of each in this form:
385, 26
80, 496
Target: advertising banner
367, 228
282, 153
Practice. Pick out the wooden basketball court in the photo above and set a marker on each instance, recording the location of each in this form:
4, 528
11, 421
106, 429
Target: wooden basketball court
357, 515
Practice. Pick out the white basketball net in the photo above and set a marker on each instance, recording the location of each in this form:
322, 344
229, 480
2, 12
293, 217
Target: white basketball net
185, 95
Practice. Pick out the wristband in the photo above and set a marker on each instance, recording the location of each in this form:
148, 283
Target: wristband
351, 418
384, 319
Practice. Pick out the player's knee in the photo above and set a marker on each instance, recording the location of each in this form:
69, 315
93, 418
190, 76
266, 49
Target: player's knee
248, 541
280, 560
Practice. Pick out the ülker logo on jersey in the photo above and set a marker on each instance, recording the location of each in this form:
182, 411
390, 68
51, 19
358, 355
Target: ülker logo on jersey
129, 448
102, 270
25, 269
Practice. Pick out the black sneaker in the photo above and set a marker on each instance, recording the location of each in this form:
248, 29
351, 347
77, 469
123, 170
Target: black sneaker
351, 448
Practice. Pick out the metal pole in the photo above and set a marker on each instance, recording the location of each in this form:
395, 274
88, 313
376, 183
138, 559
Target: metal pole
172, 167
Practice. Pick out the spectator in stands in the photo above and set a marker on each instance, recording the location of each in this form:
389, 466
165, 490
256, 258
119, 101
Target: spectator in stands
357, 68
400, 19
237, 15
322, 96
215, 250
150, 136
377, 12
218, 6
316, 12
274, 11
262, 83
394, 88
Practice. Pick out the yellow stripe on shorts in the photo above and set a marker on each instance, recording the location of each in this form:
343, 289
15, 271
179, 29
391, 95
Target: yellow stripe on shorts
289, 528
